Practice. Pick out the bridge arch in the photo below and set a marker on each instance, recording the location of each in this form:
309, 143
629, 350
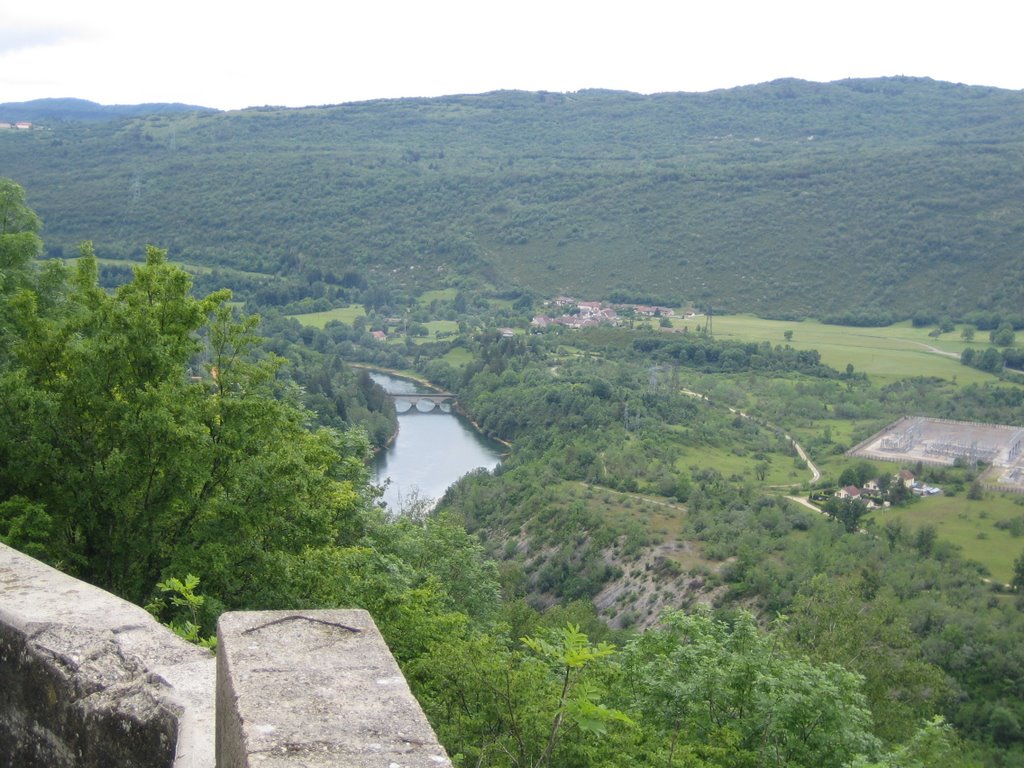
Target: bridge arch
424, 403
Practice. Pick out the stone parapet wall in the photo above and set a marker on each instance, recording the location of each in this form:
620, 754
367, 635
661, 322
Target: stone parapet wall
89, 680
312, 689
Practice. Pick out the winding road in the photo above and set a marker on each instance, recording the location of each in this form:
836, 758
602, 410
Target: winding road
815, 472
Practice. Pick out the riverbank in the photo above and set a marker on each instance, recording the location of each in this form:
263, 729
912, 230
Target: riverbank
396, 374
426, 383
432, 450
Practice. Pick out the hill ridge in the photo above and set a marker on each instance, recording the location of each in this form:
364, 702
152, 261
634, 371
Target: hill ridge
870, 197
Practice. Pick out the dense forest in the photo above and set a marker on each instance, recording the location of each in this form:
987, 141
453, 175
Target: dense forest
639, 582
873, 198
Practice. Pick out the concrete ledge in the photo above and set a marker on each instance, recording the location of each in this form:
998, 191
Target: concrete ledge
315, 688
88, 679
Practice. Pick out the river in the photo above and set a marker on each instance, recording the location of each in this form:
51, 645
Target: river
432, 450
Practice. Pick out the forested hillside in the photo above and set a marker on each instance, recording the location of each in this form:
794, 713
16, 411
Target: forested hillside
54, 111
871, 197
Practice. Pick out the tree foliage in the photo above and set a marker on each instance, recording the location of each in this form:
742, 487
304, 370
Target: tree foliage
19, 236
133, 468
733, 696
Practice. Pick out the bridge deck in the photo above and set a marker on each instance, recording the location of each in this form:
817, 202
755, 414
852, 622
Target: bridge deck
439, 397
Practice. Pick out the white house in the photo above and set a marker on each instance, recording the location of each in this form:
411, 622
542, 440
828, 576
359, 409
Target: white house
848, 492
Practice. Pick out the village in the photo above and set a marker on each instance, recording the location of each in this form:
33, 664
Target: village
587, 314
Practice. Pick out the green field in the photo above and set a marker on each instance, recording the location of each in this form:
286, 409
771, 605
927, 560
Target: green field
443, 294
321, 319
841, 430
886, 354
782, 470
442, 326
971, 525
458, 357
446, 328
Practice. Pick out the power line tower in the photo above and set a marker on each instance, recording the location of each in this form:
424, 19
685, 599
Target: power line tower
630, 417
709, 323
653, 383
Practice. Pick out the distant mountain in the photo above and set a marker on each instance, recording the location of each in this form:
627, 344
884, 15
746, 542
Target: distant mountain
48, 110
877, 198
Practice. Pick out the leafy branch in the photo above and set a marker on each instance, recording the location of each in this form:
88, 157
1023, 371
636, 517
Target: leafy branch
182, 596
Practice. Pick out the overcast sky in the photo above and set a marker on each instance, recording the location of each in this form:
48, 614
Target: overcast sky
228, 54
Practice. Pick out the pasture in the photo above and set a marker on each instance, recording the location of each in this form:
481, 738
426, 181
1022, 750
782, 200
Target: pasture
321, 319
886, 354
971, 525
442, 326
458, 357
426, 298
781, 470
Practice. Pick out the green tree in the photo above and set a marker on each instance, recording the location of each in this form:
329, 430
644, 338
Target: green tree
525, 705
846, 511
842, 622
186, 604
1018, 573
990, 361
934, 745
19, 235
727, 694
568, 653
857, 474
139, 471
1003, 336
925, 538
436, 546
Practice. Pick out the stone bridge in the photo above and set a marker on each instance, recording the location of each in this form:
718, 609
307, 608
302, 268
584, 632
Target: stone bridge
424, 403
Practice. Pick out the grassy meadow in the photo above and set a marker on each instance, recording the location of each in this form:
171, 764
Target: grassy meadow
348, 314
442, 326
458, 357
426, 298
321, 319
886, 354
970, 524
650, 517
781, 471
